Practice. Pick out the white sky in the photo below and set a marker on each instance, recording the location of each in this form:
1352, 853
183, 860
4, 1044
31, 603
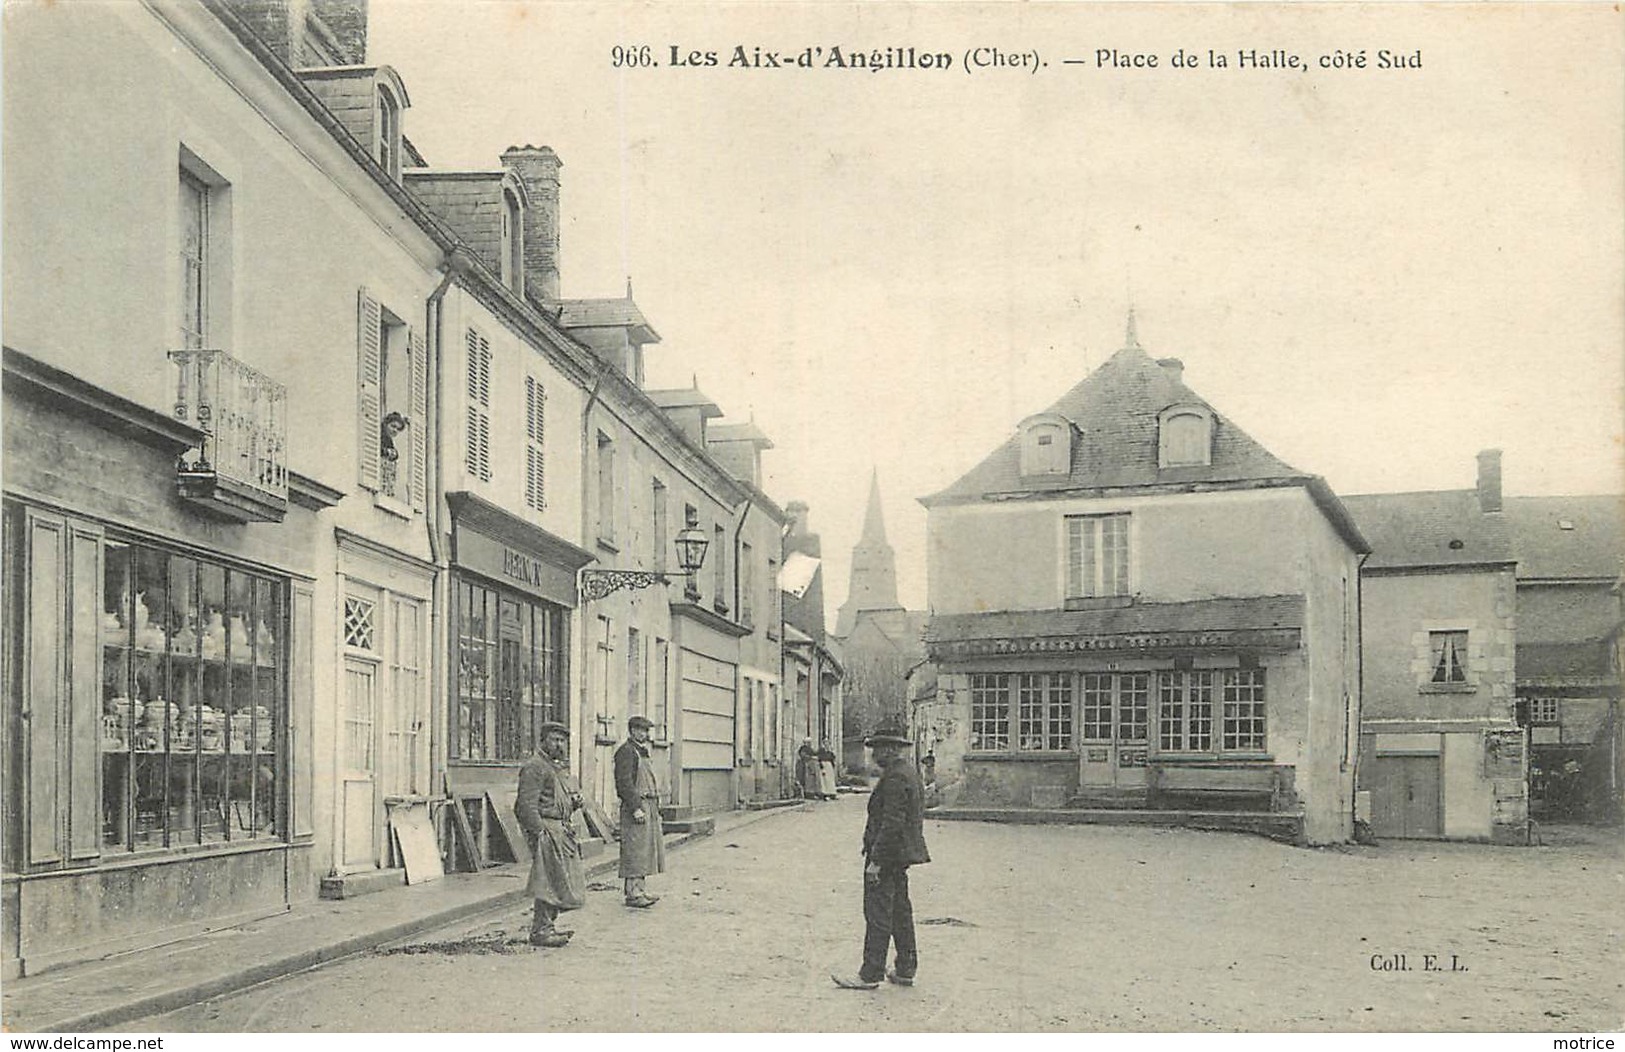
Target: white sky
1375, 273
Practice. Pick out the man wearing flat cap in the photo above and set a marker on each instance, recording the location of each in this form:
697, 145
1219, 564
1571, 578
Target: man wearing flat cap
643, 848
548, 797
893, 840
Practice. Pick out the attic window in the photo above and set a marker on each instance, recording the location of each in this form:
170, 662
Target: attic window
389, 133
1565, 524
1185, 436
513, 243
1046, 445
1456, 546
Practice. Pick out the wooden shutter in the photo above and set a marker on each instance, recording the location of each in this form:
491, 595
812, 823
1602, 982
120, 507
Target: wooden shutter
535, 429
420, 420
43, 703
369, 369
84, 692
478, 458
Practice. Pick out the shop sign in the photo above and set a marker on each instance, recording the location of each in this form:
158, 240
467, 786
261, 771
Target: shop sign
1270, 638
501, 562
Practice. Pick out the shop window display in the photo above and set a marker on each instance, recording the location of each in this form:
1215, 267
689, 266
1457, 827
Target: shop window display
192, 689
510, 673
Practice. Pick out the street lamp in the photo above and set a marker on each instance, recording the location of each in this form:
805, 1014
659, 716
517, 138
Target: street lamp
691, 545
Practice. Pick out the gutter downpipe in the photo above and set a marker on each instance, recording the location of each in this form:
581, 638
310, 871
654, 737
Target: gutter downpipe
435, 522
581, 605
1359, 680
739, 529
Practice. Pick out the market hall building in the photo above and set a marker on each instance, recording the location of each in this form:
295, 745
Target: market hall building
1135, 605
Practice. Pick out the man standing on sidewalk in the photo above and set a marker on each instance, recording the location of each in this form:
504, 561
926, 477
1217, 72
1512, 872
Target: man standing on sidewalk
643, 849
547, 799
893, 840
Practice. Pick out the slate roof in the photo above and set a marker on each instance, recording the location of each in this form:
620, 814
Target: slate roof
1417, 529
746, 432
1198, 615
685, 398
1563, 661
619, 313
1115, 412
1593, 548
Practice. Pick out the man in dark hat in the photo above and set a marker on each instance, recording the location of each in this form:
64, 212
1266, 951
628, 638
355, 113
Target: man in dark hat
643, 848
547, 799
893, 840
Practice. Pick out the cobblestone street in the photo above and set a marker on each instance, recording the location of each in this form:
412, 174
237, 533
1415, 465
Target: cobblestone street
1021, 928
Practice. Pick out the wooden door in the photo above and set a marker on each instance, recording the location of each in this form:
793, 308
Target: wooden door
1405, 797
359, 775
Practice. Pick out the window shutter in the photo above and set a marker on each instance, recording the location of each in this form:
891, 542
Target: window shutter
478, 455
420, 420
535, 456
44, 674
369, 365
85, 692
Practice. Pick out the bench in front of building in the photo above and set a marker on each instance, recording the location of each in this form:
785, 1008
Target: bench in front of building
1260, 787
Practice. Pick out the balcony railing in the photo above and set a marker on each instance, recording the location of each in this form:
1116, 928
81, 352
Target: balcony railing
240, 469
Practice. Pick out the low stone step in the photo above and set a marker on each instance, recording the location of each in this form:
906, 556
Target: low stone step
349, 885
704, 826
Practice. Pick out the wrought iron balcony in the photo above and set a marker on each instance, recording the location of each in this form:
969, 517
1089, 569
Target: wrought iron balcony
240, 469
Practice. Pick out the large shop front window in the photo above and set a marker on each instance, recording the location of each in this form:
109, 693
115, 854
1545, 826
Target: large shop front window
989, 711
192, 700
511, 673
1044, 713
1244, 710
1198, 711
1186, 723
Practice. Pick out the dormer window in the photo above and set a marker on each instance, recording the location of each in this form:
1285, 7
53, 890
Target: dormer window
388, 147
1185, 436
1046, 446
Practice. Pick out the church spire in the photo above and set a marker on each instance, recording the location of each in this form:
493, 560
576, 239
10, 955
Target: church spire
1132, 338
873, 585
874, 522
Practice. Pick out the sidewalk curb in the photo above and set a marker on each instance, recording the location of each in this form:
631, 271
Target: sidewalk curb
305, 959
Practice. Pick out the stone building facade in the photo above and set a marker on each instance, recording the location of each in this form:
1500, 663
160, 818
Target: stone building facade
1109, 632
1441, 754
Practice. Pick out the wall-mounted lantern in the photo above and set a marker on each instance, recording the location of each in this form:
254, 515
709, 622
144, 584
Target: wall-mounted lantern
691, 545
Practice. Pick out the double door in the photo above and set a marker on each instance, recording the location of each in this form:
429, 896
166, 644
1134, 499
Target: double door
1115, 729
1405, 797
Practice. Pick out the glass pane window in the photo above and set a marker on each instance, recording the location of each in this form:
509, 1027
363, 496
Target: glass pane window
1097, 556
1133, 706
989, 711
192, 698
1448, 656
1185, 720
511, 669
1044, 711
1244, 709
1097, 706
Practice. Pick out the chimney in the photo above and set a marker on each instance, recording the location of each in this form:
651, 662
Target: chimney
347, 21
1489, 480
275, 22
538, 168
1174, 368
796, 511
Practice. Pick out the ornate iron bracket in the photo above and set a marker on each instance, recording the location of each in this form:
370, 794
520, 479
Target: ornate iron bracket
595, 584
